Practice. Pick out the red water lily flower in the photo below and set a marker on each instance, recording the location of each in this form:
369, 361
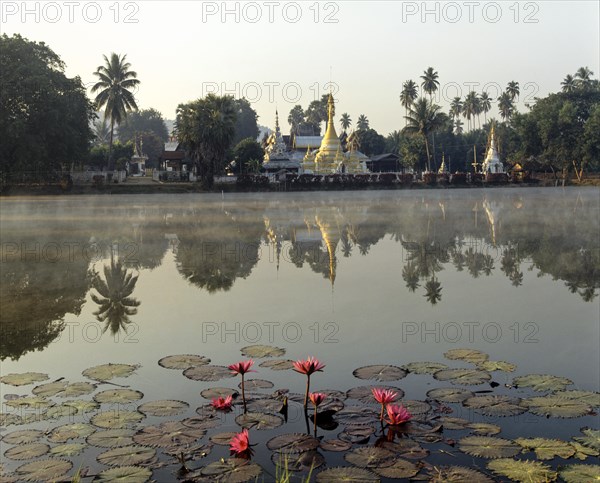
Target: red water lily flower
241, 367
383, 397
222, 404
308, 366
397, 414
317, 398
240, 443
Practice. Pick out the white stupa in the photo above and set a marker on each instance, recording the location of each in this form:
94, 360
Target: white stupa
492, 163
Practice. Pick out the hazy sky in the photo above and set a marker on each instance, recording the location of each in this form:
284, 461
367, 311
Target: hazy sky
280, 53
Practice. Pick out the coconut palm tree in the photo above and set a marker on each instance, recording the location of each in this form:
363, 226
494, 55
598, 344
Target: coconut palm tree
433, 291
569, 84
430, 82
584, 76
410, 274
485, 102
409, 94
363, 123
458, 127
101, 132
505, 106
423, 118
114, 89
345, 121
456, 107
512, 89
470, 107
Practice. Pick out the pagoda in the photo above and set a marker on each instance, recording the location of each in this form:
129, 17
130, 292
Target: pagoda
276, 156
492, 163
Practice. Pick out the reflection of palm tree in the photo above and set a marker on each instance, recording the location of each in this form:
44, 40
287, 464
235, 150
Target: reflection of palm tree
433, 291
115, 301
588, 294
410, 275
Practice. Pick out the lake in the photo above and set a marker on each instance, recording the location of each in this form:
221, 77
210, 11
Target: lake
353, 278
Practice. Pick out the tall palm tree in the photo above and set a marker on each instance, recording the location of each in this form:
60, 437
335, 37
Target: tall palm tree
584, 76
101, 132
505, 106
393, 141
295, 119
485, 102
470, 107
423, 118
409, 94
456, 107
569, 84
430, 82
512, 89
433, 291
363, 123
458, 127
345, 121
114, 92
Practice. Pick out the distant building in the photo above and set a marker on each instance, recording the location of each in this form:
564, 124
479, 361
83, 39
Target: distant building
385, 163
173, 157
492, 163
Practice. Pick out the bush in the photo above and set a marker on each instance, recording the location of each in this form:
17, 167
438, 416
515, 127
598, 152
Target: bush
458, 178
252, 180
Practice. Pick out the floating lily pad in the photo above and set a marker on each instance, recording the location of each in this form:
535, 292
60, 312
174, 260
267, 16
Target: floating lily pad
37, 402
457, 474
292, 443
259, 421
542, 382
265, 405
64, 389
7, 419
523, 471
547, 449
454, 423
449, 394
130, 474
82, 405
580, 473
305, 461
278, 364
208, 373
496, 366
356, 434
365, 395
68, 450
556, 406
57, 412
399, 469
111, 438
346, 475
216, 392
583, 452
234, 470
44, 470
26, 451
587, 397
24, 378
468, 355
488, 447
183, 361
207, 421
23, 437
169, 433
117, 419
106, 372
62, 434
126, 456
260, 351
254, 384
163, 408
424, 367
370, 457
380, 373
357, 415
336, 445
484, 429
490, 405
118, 396
463, 377
406, 448
416, 407
222, 439
590, 438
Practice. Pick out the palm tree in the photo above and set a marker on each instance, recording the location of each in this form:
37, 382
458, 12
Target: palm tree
409, 94
101, 132
115, 302
569, 84
584, 76
295, 119
114, 86
456, 107
393, 141
423, 118
458, 127
430, 83
410, 274
512, 89
468, 109
433, 291
485, 102
345, 121
505, 106
363, 123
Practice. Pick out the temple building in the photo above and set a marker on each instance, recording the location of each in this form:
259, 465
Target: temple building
277, 157
492, 163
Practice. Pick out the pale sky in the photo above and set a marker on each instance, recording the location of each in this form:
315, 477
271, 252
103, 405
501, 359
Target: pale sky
280, 53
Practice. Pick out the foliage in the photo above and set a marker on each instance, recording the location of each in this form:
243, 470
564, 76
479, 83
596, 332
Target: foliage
245, 151
144, 121
371, 142
246, 123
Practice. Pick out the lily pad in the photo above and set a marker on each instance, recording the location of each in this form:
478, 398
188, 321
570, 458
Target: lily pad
61, 411
587, 397
207, 421
484, 429
169, 433
24, 378
468, 355
260, 351
357, 415
278, 364
380, 373
292, 443
457, 474
399, 469
336, 445
547, 449
259, 421
61, 434
416, 407
222, 439
449, 394
365, 395
305, 461
424, 367
556, 406
491, 405
233, 470
183, 361
130, 474
208, 373
106, 372
44, 470
216, 392
26, 451
117, 419
64, 389
523, 471
496, 366
357, 434
542, 382
163, 408
82, 405
406, 448
488, 447
254, 384
583, 452
7, 419
346, 474
590, 438
463, 377
118, 396
453, 423
37, 402
68, 449
370, 457
127, 455
23, 437
111, 438
580, 473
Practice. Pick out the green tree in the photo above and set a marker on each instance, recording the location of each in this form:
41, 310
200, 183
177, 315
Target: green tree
371, 142
363, 123
316, 113
456, 108
512, 89
295, 119
583, 77
246, 124
408, 95
569, 83
424, 118
114, 92
485, 105
430, 82
505, 106
152, 146
206, 127
345, 121
45, 117
146, 120
246, 150
101, 132
392, 142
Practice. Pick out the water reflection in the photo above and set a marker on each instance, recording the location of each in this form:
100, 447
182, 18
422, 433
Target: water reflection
483, 233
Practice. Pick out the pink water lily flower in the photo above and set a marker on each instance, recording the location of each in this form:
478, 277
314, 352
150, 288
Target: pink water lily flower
308, 367
397, 414
241, 367
317, 398
383, 397
240, 443
222, 404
